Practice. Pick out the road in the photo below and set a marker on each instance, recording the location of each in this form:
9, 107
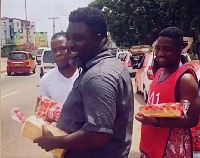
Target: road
21, 91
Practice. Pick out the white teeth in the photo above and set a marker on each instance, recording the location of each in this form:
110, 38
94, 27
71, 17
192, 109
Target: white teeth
74, 53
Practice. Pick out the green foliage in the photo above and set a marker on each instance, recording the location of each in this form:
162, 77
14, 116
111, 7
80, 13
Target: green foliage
132, 22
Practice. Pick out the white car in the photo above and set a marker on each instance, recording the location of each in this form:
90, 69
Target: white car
39, 52
121, 55
46, 61
196, 154
128, 63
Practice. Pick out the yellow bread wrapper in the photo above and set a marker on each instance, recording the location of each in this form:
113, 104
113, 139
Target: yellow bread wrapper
32, 128
164, 110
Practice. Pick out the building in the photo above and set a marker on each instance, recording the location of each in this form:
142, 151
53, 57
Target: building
15, 30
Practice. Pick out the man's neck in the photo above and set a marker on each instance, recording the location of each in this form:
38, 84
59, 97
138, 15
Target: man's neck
171, 69
68, 72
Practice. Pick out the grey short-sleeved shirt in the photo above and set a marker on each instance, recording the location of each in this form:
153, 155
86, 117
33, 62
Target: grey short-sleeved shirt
101, 100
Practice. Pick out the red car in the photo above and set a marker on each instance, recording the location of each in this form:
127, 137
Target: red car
195, 64
20, 62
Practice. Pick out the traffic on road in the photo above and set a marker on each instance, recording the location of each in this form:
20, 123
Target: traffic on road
115, 79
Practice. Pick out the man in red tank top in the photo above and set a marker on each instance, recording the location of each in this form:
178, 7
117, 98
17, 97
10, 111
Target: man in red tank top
170, 137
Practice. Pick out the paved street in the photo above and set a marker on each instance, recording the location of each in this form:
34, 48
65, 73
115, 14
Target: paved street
21, 91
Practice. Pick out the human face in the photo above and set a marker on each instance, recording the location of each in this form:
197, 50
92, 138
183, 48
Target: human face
60, 54
167, 53
82, 42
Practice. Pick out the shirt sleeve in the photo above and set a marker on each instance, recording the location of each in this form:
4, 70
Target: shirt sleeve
43, 88
99, 100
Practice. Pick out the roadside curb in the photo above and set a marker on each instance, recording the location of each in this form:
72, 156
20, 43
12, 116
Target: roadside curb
3, 71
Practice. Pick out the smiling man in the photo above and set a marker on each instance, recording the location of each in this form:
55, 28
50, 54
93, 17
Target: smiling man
172, 83
98, 113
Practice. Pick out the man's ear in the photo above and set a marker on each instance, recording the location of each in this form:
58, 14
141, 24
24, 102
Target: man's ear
180, 50
98, 40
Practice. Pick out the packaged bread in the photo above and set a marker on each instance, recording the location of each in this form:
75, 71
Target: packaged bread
165, 110
32, 128
48, 109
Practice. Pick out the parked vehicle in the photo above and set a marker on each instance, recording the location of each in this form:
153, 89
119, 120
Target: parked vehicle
127, 63
39, 52
20, 62
46, 61
121, 55
134, 57
195, 65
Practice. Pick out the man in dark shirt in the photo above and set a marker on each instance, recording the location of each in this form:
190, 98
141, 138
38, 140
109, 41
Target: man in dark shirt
98, 113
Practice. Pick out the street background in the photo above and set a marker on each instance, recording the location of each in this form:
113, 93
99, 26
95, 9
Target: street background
21, 91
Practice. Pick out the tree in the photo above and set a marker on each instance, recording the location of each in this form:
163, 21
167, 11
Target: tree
132, 22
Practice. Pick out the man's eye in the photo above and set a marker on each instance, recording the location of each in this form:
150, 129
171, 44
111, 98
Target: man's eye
166, 50
78, 38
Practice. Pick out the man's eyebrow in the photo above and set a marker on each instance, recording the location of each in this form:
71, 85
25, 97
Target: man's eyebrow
167, 46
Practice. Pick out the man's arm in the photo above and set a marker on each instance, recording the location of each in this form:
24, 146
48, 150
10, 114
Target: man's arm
82, 140
42, 90
188, 90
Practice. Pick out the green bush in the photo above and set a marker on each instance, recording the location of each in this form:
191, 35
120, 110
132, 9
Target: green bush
4, 52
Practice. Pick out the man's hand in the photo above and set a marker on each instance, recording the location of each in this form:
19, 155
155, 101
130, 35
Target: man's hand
145, 119
46, 141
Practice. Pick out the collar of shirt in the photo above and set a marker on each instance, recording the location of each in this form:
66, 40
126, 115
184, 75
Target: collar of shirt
96, 59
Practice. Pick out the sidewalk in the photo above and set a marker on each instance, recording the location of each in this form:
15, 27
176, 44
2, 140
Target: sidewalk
3, 64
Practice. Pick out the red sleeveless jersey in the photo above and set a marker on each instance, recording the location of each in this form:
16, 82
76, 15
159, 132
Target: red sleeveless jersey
165, 142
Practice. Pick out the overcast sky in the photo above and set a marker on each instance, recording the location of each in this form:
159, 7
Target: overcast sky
40, 10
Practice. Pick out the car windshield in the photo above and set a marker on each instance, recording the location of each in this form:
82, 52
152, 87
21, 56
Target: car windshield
39, 51
48, 57
17, 56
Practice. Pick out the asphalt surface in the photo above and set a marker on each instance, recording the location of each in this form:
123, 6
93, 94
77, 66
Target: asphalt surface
21, 91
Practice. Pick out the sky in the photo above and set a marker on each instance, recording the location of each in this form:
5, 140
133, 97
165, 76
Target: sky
40, 10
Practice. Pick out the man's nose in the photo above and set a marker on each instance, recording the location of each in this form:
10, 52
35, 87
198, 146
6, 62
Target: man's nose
160, 52
70, 46
57, 53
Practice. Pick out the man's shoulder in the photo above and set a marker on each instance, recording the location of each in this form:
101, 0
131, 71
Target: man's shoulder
107, 73
51, 74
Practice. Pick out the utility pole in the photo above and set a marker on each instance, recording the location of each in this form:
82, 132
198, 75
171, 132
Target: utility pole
26, 26
53, 18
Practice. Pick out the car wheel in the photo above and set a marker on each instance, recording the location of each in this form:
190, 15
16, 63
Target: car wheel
28, 73
9, 73
145, 96
137, 90
34, 70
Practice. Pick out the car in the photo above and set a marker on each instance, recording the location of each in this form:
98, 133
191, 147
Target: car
46, 61
121, 55
127, 62
195, 65
20, 62
144, 75
39, 52
134, 56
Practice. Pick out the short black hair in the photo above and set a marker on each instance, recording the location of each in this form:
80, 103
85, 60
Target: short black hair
92, 17
59, 34
174, 33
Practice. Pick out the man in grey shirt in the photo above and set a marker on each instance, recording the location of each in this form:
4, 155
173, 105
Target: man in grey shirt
98, 113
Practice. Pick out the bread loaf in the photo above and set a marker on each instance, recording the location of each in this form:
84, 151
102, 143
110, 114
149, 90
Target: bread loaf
32, 128
168, 110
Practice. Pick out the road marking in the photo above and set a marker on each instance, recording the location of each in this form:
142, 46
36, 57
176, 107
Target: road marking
9, 94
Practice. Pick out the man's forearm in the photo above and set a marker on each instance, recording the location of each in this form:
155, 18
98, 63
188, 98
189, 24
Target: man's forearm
82, 140
179, 122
